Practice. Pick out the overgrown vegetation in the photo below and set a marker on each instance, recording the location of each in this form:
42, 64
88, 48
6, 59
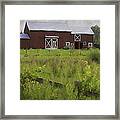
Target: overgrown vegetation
96, 30
60, 74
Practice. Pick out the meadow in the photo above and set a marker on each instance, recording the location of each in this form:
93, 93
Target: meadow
60, 74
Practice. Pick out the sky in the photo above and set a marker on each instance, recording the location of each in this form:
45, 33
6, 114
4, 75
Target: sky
72, 23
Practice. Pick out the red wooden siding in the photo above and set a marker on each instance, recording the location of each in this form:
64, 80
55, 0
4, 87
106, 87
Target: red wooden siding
24, 44
88, 38
37, 39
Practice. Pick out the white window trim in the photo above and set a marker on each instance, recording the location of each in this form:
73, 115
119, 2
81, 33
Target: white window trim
77, 37
48, 43
90, 44
51, 36
72, 45
84, 43
56, 44
67, 43
51, 41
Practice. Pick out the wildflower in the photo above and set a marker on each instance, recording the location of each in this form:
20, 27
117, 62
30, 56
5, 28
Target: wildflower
86, 62
40, 67
44, 65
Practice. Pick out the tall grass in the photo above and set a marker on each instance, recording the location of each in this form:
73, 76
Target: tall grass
63, 67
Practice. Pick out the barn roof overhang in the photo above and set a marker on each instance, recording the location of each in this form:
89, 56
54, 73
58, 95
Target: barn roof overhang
24, 36
50, 30
87, 33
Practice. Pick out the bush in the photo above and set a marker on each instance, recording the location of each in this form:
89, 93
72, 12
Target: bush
66, 48
94, 55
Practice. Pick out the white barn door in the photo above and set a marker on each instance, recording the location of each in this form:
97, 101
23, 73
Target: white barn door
51, 42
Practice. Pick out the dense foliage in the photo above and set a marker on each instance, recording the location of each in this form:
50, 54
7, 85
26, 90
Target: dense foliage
96, 30
60, 74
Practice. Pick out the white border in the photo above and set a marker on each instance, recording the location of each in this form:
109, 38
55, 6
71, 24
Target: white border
15, 13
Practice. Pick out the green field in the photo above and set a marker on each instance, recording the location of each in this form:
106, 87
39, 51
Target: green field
60, 74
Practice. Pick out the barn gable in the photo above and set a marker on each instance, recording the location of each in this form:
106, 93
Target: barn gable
26, 29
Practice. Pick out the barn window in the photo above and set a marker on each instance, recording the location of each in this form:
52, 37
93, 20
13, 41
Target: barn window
77, 37
84, 43
72, 45
67, 44
90, 44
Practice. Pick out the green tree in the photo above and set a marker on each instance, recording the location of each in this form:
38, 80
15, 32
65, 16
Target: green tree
96, 30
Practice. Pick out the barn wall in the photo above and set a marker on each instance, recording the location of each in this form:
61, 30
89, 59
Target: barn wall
38, 38
87, 38
65, 37
24, 44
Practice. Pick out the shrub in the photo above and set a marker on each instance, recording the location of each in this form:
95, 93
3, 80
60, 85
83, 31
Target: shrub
66, 48
94, 55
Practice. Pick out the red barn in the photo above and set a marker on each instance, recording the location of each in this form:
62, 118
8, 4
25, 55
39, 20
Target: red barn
24, 41
55, 35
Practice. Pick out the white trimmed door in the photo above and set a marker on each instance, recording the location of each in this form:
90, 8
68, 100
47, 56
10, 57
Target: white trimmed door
51, 42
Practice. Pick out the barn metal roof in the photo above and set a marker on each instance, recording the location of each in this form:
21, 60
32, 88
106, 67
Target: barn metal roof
49, 26
58, 26
81, 30
24, 36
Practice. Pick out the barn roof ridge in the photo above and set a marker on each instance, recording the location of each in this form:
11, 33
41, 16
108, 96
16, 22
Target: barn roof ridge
57, 26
